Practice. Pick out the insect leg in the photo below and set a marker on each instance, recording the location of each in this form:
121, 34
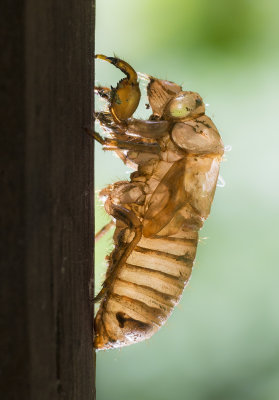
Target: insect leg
150, 129
147, 129
95, 135
130, 219
104, 230
109, 125
125, 97
103, 92
99, 139
115, 144
122, 65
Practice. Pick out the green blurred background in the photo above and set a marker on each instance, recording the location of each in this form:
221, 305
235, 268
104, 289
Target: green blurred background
221, 343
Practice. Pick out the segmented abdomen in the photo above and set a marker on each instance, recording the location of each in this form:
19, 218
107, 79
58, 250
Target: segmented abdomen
146, 289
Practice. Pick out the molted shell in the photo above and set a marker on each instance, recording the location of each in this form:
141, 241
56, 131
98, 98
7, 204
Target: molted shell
158, 212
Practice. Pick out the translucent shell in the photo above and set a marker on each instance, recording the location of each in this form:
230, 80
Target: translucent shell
176, 155
198, 136
159, 93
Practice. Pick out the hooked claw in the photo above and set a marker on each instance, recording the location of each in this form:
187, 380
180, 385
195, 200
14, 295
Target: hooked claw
125, 98
122, 65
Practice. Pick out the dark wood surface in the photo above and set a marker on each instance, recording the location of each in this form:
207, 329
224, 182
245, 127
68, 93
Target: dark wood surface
46, 200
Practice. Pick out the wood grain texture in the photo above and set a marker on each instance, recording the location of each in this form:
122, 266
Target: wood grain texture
47, 200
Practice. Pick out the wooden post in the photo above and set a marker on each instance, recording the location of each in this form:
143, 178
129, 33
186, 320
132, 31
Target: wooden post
46, 200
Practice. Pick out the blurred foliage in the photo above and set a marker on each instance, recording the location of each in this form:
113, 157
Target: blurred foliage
205, 26
222, 340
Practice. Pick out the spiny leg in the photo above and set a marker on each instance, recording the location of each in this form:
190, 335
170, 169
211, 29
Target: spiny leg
125, 99
104, 230
134, 129
123, 102
103, 92
126, 96
108, 124
99, 139
122, 65
115, 144
147, 129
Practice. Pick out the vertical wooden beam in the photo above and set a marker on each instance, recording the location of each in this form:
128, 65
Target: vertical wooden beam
47, 200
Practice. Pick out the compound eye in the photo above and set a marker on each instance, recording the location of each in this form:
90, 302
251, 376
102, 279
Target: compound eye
184, 106
181, 107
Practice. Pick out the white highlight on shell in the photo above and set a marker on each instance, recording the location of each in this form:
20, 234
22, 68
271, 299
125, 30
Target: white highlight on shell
221, 181
143, 76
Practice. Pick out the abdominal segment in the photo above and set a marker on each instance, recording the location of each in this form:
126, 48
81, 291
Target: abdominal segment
147, 273
146, 289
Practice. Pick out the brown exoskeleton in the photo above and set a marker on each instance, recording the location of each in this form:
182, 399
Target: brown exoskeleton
176, 155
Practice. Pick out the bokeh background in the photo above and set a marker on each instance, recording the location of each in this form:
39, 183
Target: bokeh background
221, 343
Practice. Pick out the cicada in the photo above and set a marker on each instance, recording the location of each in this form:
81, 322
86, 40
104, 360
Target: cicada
176, 155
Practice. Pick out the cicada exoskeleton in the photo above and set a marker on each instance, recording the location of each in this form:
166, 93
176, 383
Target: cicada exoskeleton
176, 155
